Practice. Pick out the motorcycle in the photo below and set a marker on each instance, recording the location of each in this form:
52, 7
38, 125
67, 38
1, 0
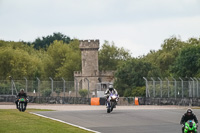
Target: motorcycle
21, 104
111, 102
190, 127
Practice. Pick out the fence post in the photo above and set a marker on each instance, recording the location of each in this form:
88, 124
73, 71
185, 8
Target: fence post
174, 86
13, 85
181, 85
160, 87
167, 87
198, 82
51, 86
197, 87
88, 86
76, 86
63, 87
38, 88
154, 92
192, 86
26, 83
146, 87
11, 82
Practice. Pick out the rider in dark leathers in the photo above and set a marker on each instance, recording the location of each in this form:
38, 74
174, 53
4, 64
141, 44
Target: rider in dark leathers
20, 95
189, 115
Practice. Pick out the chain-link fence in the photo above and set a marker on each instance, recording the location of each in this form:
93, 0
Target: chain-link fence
37, 87
53, 92
50, 88
174, 88
39, 91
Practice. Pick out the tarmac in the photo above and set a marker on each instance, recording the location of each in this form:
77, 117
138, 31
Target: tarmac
71, 107
127, 119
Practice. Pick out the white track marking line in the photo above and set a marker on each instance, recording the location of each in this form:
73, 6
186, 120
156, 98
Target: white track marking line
65, 122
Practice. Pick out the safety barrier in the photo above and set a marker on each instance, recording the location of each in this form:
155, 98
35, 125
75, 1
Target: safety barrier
136, 101
131, 101
95, 101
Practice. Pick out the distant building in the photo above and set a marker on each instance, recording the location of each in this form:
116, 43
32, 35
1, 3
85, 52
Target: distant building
98, 81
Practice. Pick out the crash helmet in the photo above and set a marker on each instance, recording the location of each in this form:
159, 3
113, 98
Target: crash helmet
21, 90
189, 111
110, 87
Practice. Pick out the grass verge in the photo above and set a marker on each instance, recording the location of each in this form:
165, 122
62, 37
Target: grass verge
13, 121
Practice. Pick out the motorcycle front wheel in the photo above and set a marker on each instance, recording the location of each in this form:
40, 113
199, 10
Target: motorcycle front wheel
22, 107
108, 110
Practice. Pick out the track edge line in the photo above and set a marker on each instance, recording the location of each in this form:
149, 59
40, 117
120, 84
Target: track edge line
65, 122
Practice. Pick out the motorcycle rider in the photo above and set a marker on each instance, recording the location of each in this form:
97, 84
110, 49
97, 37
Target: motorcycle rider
189, 115
20, 95
109, 91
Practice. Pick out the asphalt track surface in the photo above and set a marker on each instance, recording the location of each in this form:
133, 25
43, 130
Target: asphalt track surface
125, 121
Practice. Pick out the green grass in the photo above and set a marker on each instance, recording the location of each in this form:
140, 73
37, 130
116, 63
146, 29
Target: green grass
13, 121
195, 108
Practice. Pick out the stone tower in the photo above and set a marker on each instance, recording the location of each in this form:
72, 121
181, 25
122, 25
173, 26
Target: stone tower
89, 56
90, 68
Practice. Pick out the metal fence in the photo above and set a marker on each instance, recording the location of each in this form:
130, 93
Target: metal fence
172, 88
37, 87
52, 92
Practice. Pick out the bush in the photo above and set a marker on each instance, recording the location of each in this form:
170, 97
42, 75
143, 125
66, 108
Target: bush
46, 92
139, 91
83, 92
58, 90
5, 88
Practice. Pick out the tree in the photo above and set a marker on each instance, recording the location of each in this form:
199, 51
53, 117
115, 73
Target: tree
57, 54
194, 41
130, 75
19, 64
187, 63
63, 59
44, 42
166, 56
110, 56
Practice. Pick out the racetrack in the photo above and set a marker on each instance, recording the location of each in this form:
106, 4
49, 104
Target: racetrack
124, 119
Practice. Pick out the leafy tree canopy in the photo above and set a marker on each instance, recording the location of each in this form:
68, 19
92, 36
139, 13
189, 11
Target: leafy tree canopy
110, 56
44, 42
130, 74
187, 64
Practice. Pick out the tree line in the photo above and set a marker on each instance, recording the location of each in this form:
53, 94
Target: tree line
59, 56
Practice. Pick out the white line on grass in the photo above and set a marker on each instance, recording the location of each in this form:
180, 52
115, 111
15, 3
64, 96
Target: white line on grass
65, 122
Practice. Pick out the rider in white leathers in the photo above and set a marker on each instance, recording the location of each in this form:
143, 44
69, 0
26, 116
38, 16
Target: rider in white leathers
109, 91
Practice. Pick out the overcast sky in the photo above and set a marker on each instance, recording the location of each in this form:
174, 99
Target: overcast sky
136, 25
